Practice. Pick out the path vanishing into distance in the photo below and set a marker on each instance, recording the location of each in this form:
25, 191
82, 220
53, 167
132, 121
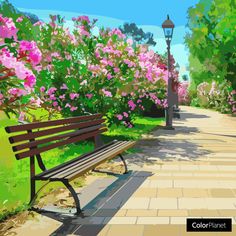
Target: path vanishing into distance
176, 174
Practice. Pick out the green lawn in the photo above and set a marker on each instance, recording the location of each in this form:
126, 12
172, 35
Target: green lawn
14, 175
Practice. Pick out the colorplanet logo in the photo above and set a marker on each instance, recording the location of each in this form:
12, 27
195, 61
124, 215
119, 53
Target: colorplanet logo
209, 225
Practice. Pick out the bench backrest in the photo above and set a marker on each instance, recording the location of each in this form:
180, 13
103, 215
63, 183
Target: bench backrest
39, 137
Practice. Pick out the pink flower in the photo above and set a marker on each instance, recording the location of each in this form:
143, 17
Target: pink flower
55, 104
42, 89
51, 90
16, 91
1, 96
116, 70
62, 97
73, 108
32, 51
139, 101
109, 76
74, 95
119, 117
89, 95
52, 97
83, 18
63, 87
107, 93
67, 105
30, 81
20, 19
7, 28
125, 114
131, 105
123, 94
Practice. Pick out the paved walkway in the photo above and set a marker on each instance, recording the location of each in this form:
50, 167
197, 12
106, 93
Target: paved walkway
188, 172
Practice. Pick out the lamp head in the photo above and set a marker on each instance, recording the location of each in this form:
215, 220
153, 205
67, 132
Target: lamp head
168, 28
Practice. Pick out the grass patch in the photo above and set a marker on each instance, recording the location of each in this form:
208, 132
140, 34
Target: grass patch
14, 175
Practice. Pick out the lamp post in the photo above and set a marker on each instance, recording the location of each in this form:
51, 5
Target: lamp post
168, 28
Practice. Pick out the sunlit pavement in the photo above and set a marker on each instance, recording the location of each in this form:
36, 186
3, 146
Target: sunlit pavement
188, 172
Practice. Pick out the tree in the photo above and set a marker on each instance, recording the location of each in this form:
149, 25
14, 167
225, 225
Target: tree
211, 41
138, 35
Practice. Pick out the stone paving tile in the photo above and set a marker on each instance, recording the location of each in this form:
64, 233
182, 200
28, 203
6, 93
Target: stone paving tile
189, 167
129, 230
120, 220
141, 212
221, 203
161, 184
203, 213
137, 203
221, 193
172, 213
178, 220
162, 230
192, 203
153, 220
169, 192
170, 167
145, 192
192, 192
201, 184
227, 212
163, 203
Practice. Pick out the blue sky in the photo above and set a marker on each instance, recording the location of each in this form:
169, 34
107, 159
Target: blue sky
148, 14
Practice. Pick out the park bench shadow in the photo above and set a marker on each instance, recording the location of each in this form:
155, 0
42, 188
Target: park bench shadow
97, 213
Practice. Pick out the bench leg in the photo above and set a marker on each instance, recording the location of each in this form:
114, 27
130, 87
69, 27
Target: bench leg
123, 160
74, 195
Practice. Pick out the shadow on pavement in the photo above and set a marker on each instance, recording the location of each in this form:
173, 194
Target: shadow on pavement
165, 147
186, 115
97, 213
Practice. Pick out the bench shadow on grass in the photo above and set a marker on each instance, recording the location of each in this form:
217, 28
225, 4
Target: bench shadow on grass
99, 211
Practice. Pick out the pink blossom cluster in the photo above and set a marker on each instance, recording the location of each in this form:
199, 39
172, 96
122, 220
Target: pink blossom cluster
232, 101
7, 29
31, 51
16, 68
183, 93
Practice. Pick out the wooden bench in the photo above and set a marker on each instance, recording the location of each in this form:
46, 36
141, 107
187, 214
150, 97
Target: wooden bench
37, 138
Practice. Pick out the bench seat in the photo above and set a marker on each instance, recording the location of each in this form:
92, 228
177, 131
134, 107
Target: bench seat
76, 167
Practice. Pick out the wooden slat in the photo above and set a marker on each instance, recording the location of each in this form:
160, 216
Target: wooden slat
36, 125
61, 166
57, 144
87, 163
81, 161
101, 160
54, 138
37, 134
90, 163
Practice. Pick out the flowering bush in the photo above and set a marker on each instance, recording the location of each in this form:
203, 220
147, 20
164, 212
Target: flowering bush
79, 72
183, 93
17, 62
215, 95
104, 73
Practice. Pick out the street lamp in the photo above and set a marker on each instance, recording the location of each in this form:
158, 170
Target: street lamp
168, 27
